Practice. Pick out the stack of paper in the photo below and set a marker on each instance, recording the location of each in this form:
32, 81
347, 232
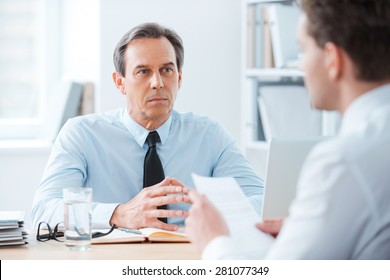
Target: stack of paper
11, 228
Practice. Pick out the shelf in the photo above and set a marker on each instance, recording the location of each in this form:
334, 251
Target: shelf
294, 74
254, 2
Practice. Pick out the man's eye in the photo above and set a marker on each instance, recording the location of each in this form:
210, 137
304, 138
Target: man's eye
143, 72
167, 70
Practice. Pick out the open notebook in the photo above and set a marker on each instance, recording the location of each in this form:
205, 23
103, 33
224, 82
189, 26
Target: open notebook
142, 235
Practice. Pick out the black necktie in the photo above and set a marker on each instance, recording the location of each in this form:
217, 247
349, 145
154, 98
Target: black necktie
153, 170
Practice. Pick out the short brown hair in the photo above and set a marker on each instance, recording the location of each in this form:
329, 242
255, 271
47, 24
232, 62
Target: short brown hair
360, 27
147, 30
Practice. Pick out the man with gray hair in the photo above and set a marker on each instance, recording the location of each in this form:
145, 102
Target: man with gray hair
139, 159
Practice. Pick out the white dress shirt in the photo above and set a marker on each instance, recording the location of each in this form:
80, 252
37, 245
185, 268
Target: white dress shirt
342, 207
106, 152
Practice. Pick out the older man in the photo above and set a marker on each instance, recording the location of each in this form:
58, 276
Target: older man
131, 156
342, 208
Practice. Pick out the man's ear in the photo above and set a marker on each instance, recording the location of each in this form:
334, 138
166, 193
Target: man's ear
180, 79
118, 81
333, 61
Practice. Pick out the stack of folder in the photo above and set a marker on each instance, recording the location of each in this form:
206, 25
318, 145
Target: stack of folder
12, 232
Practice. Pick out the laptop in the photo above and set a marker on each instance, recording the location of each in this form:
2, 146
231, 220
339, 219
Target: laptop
285, 160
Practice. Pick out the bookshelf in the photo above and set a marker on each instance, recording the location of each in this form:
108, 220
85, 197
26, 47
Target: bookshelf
270, 56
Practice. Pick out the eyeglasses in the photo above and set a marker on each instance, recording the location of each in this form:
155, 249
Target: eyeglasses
56, 233
51, 234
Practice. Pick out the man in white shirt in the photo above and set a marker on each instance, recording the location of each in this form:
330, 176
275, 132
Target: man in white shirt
342, 207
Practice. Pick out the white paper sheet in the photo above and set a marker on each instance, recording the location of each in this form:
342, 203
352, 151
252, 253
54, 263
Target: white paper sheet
240, 216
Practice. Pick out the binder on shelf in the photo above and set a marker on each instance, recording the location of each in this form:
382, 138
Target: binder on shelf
267, 48
286, 112
251, 38
283, 22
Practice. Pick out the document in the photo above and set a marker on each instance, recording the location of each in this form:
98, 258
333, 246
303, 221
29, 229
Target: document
142, 235
239, 214
11, 228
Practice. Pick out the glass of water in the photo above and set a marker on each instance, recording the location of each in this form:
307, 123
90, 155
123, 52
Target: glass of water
77, 220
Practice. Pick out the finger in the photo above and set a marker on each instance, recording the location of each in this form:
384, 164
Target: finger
164, 226
176, 182
271, 226
164, 190
260, 226
266, 226
168, 181
165, 182
194, 195
161, 213
171, 199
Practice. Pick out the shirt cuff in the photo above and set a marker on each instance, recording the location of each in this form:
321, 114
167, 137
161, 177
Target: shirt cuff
101, 214
219, 248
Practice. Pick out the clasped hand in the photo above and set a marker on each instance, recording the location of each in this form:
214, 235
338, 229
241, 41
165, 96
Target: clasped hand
141, 211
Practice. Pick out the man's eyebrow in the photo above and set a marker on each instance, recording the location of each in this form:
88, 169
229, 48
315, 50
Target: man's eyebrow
169, 64
141, 66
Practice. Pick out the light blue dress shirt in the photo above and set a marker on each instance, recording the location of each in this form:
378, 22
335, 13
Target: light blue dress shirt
106, 153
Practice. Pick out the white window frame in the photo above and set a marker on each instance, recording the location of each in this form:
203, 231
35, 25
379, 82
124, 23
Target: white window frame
50, 65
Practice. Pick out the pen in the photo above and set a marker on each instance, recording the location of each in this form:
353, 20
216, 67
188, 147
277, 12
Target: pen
130, 230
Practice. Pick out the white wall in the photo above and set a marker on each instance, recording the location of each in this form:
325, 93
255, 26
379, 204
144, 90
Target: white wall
210, 30
21, 170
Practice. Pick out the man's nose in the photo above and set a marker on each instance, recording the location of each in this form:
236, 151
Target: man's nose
156, 82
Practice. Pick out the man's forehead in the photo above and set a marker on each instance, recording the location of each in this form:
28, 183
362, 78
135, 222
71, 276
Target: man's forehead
150, 52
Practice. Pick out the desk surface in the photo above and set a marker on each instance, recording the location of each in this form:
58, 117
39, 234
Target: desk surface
53, 250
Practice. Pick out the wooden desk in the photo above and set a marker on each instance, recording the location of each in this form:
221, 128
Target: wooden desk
53, 250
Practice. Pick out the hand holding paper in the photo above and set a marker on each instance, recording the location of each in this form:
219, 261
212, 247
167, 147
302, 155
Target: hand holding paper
235, 210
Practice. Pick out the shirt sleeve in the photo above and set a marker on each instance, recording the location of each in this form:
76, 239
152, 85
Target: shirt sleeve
66, 167
323, 222
221, 248
230, 162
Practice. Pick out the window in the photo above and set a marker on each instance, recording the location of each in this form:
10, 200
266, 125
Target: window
27, 31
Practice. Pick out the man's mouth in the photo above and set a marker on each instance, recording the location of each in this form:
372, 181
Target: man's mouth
158, 99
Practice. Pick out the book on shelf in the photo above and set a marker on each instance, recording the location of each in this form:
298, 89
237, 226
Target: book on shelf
259, 46
87, 105
142, 235
251, 37
11, 228
268, 60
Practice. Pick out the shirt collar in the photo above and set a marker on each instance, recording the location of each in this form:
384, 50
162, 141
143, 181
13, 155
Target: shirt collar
140, 133
360, 109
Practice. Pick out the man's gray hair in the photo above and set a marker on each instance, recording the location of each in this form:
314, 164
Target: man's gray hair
147, 30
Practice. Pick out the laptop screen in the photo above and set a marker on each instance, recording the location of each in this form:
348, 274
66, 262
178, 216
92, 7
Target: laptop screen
285, 160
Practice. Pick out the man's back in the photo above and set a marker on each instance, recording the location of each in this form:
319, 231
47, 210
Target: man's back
342, 209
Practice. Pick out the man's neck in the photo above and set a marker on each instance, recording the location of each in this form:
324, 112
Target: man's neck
151, 124
352, 90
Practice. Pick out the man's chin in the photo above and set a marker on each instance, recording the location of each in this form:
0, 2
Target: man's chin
158, 113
